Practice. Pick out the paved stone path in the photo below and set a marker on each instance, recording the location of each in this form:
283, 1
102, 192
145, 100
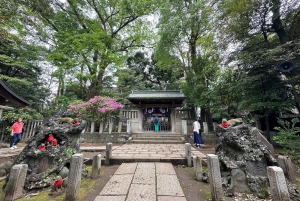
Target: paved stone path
143, 182
131, 152
152, 151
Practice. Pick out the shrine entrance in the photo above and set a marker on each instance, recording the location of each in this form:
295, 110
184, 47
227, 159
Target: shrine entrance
164, 115
163, 103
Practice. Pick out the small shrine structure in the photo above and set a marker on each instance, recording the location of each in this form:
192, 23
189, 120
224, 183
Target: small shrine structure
8, 97
166, 104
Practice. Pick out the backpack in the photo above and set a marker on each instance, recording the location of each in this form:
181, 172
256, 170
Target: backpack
156, 120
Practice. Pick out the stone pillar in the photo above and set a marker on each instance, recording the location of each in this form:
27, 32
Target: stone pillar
187, 148
92, 126
108, 152
128, 130
215, 124
96, 166
214, 176
101, 126
110, 125
194, 164
286, 164
278, 184
198, 169
74, 178
15, 184
184, 127
173, 119
119, 126
205, 127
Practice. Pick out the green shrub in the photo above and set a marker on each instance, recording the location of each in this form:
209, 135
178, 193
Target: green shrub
288, 137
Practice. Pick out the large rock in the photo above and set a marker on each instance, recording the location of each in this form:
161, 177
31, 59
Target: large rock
245, 154
45, 165
246, 158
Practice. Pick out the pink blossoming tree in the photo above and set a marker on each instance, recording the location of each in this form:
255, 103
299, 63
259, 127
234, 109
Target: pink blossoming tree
96, 109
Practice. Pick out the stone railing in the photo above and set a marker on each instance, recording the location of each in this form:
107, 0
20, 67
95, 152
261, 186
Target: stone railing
183, 114
130, 114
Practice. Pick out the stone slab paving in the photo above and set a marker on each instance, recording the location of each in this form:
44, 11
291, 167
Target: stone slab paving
143, 181
155, 151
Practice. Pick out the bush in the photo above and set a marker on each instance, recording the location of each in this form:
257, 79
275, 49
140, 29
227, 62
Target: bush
288, 137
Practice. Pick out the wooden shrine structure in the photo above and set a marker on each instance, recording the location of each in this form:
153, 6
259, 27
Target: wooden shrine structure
166, 104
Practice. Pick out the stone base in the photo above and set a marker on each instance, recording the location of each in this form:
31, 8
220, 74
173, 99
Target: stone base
104, 137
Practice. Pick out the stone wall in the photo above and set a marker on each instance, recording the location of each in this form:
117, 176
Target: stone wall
104, 137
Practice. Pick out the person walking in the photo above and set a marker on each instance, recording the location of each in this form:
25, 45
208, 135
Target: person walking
16, 133
196, 128
156, 123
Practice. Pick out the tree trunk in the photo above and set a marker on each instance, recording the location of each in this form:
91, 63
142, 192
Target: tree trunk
277, 23
267, 128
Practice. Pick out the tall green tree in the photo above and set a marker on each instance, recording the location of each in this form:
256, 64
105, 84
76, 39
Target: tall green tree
142, 73
88, 37
265, 32
186, 33
19, 60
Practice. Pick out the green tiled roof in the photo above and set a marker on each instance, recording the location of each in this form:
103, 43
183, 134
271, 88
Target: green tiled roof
159, 94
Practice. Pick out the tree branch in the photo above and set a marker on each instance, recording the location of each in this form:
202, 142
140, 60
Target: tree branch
130, 19
93, 5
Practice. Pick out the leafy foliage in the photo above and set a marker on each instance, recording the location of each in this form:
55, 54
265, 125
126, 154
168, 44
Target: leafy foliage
288, 137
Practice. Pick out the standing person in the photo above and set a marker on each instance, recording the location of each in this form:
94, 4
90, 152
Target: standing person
16, 133
200, 133
196, 127
156, 123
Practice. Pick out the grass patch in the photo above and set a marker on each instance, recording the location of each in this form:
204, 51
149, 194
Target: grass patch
1, 190
86, 186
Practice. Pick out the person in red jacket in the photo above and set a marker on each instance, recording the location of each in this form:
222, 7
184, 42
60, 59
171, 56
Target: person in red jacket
16, 133
225, 123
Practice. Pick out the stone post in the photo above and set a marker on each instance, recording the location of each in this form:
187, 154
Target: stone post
128, 130
120, 127
187, 148
15, 184
286, 164
198, 169
194, 163
214, 176
92, 126
110, 125
215, 124
278, 184
108, 152
96, 166
184, 127
205, 127
101, 125
74, 178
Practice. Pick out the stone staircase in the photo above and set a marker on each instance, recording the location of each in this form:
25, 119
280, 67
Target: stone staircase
156, 138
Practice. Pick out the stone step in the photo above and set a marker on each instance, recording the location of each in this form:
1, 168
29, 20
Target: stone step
156, 138
156, 135
157, 141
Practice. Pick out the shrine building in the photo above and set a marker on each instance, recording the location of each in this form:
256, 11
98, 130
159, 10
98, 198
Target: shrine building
166, 104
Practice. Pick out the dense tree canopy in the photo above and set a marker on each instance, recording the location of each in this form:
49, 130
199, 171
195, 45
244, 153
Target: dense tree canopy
224, 55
